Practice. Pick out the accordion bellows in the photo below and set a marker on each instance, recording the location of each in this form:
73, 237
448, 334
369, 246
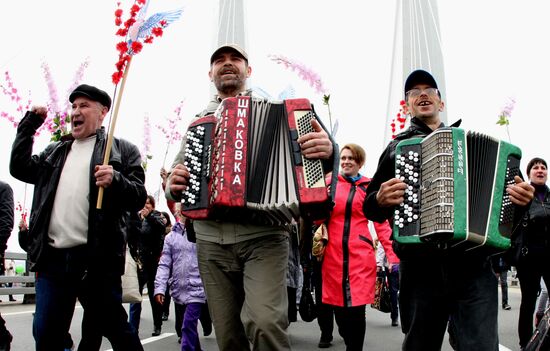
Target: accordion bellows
456, 191
245, 161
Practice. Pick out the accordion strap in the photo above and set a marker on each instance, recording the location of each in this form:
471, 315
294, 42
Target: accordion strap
335, 162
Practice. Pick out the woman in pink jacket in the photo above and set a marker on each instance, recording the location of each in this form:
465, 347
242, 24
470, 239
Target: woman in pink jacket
349, 263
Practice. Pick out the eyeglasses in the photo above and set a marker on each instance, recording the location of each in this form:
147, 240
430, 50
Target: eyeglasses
414, 93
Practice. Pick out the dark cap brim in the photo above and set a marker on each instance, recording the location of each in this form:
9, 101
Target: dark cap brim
419, 77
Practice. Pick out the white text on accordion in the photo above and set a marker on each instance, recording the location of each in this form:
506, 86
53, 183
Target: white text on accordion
242, 113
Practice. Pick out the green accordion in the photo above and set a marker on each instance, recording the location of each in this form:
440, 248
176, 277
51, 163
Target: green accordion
456, 190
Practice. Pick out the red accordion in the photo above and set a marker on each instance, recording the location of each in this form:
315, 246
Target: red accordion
245, 161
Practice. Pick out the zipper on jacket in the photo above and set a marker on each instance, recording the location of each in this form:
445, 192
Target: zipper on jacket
345, 248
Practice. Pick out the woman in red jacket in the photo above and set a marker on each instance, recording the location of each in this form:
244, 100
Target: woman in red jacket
349, 263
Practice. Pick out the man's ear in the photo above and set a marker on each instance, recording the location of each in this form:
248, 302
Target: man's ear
441, 106
104, 111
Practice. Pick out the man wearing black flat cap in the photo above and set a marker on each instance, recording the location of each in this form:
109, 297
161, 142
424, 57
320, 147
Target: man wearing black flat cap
437, 284
77, 250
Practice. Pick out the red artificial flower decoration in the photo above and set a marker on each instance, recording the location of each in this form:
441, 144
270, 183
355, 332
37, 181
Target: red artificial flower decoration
122, 47
122, 32
136, 47
401, 117
125, 51
117, 76
135, 9
129, 22
23, 211
157, 31
132, 46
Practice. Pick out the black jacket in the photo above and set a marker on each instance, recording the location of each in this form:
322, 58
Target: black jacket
146, 239
6, 220
106, 245
531, 239
6, 215
386, 169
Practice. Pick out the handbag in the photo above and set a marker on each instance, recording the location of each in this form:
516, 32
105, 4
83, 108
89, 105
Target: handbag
382, 300
307, 308
319, 243
130, 281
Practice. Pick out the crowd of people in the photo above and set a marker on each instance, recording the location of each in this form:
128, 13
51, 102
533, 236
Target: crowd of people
241, 278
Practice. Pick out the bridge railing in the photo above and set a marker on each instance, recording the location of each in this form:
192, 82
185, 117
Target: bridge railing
21, 284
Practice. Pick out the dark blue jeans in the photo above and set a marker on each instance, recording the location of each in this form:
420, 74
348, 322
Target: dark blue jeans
459, 290
147, 277
59, 285
530, 271
135, 316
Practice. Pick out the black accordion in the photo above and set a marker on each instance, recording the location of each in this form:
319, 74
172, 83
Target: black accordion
245, 162
456, 189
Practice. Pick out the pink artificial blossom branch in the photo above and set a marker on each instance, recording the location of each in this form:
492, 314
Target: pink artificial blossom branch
303, 72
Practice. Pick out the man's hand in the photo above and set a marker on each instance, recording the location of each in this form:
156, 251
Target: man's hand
179, 179
23, 224
317, 143
42, 111
103, 175
159, 298
391, 193
520, 193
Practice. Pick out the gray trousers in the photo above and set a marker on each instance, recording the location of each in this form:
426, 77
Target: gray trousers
245, 287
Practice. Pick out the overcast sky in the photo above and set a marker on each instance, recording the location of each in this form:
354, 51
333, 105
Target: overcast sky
493, 50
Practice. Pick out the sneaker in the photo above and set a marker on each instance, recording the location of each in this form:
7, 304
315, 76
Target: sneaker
156, 332
506, 307
207, 329
325, 343
165, 317
394, 323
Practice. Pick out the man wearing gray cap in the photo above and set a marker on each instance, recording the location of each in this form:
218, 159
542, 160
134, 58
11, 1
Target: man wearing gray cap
437, 283
76, 249
243, 265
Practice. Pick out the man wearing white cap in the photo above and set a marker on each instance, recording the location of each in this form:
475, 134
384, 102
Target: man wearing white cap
243, 265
